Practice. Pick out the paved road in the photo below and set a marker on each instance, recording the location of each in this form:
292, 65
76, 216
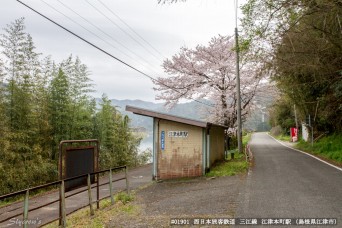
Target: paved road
285, 183
137, 177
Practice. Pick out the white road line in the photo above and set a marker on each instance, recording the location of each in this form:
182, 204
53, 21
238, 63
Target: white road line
336, 167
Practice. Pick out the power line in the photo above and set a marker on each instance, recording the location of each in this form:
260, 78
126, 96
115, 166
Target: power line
107, 53
136, 33
92, 32
111, 37
82, 27
99, 11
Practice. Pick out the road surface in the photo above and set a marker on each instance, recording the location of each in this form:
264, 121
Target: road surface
137, 177
284, 183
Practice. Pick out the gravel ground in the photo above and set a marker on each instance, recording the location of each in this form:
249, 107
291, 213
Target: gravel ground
198, 198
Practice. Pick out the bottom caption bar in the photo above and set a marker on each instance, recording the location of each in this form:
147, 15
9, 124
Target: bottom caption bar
254, 221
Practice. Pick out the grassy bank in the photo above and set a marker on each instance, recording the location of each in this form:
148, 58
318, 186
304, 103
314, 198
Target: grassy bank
82, 218
329, 147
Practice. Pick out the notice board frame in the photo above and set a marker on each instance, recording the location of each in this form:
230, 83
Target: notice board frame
74, 167
80, 144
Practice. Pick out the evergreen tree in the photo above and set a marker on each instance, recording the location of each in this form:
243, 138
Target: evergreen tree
80, 87
13, 42
118, 145
59, 110
105, 120
4, 143
41, 107
23, 150
43, 103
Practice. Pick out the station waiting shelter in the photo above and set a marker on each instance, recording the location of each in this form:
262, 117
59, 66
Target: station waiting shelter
183, 147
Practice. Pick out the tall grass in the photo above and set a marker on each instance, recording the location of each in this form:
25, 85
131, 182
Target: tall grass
329, 147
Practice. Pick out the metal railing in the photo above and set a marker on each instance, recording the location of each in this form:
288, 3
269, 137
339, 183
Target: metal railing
62, 196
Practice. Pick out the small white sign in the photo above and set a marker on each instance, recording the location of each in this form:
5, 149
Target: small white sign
179, 134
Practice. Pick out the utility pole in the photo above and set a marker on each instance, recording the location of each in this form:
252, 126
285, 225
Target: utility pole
238, 95
311, 130
295, 113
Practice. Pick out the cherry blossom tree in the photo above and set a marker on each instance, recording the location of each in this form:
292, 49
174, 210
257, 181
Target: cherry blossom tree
208, 72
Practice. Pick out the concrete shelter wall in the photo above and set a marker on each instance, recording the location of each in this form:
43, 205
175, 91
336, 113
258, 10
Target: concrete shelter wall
216, 144
182, 156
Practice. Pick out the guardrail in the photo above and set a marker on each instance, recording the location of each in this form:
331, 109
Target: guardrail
62, 197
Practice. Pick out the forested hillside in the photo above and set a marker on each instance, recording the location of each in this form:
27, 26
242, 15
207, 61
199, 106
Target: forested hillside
299, 44
43, 102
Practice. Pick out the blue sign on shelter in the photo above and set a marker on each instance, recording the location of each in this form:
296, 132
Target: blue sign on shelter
162, 140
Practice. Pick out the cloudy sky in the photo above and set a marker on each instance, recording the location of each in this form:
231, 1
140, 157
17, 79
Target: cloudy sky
154, 32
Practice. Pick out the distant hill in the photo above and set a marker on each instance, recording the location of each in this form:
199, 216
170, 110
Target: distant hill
190, 110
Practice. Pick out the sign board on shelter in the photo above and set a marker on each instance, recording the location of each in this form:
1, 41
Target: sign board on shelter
179, 134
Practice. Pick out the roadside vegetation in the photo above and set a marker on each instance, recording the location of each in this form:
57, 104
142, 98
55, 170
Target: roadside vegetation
281, 133
284, 137
231, 167
301, 52
82, 218
329, 147
246, 138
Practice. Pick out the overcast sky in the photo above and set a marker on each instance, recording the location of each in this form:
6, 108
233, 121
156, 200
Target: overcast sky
166, 27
